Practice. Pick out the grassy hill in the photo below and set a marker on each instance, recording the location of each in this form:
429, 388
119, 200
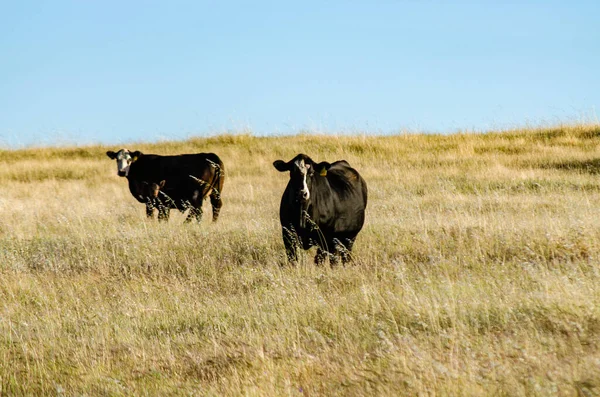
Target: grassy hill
477, 273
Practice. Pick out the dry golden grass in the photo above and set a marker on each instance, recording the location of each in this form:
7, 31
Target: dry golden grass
477, 273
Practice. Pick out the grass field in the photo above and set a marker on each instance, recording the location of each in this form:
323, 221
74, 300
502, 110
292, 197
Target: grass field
477, 273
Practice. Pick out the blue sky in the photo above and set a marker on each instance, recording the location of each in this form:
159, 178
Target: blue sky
121, 71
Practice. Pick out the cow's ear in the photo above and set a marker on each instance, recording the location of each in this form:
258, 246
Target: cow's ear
111, 154
323, 167
161, 184
135, 155
281, 165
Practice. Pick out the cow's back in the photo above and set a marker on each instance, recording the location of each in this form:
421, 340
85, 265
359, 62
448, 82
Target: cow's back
154, 167
338, 201
176, 170
345, 181
349, 193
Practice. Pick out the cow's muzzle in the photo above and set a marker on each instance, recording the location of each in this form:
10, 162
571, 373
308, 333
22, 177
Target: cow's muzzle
302, 197
121, 173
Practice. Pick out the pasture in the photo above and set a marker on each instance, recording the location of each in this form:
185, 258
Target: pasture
477, 273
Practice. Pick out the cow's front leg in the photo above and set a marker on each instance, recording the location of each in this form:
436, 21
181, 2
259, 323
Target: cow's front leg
149, 210
163, 213
320, 257
291, 243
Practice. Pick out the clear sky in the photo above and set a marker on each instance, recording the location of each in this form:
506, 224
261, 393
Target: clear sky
126, 71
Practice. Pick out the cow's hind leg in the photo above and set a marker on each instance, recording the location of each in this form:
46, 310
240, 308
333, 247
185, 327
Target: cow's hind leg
195, 212
336, 250
334, 255
217, 203
198, 212
345, 249
328, 248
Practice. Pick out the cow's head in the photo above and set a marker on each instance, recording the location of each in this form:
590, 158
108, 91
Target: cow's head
124, 159
302, 172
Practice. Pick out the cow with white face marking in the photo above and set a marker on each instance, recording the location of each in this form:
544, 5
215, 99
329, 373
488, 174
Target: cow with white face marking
124, 159
165, 182
323, 205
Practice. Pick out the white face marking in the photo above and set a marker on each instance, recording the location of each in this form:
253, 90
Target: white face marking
123, 162
304, 170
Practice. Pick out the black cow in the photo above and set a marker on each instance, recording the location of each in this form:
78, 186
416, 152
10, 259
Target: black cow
323, 205
166, 182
